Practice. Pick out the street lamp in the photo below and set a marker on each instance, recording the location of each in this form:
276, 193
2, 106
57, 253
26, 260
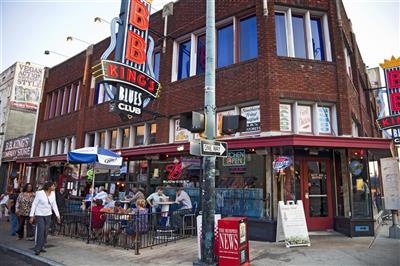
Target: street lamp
48, 52
99, 20
71, 38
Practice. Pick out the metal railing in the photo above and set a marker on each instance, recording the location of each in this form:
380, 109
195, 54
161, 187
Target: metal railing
135, 230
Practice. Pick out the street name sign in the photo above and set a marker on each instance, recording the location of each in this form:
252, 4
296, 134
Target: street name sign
213, 148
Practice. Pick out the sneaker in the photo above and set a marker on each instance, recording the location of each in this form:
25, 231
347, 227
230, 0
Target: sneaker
43, 250
37, 252
30, 239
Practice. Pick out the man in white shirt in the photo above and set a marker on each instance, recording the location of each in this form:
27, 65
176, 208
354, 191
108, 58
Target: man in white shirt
155, 198
102, 195
181, 198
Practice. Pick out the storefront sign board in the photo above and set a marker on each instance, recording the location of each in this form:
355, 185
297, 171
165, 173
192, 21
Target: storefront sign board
17, 148
292, 226
391, 183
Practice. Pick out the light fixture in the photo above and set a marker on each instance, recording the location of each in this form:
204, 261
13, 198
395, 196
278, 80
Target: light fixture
45, 160
180, 148
71, 38
48, 52
100, 20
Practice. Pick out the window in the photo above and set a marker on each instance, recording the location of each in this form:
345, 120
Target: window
280, 29
102, 139
76, 97
184, 60
324, 120
113, 143
317, 39
125, 137
201, 54
153, 131
354, 128
304, 118
285, 114
60, 111
156, 65
55, 102
248, 38
50, 102
304, 34
97, 94
299, 39
180, 134
225, 46
347, 61
91, 140
139, 139
71, 91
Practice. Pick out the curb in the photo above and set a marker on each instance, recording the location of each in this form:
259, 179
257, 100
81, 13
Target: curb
29, 257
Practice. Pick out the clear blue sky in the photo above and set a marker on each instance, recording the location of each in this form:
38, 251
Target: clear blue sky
28, 27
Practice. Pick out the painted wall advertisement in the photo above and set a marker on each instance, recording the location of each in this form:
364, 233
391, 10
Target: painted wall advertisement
27, 86
252, 114
17, 148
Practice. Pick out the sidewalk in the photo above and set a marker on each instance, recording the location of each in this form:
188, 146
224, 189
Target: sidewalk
332, 249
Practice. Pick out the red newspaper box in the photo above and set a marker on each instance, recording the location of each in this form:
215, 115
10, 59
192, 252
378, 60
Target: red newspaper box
233, 248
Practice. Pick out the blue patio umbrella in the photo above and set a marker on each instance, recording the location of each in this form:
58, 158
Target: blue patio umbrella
100, 158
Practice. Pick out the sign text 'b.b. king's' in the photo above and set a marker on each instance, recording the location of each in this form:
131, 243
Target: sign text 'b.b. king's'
129, 80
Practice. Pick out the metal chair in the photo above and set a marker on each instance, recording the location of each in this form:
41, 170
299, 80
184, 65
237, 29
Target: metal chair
189, 221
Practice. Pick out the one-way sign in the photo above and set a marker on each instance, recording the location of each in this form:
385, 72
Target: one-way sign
213, 148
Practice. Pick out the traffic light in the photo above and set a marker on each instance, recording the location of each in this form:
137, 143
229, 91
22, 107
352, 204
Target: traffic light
192, 121
233, 123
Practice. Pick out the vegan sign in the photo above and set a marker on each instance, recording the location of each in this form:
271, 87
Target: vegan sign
129, 80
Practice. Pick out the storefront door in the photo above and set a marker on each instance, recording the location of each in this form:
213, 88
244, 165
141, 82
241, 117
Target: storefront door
316, 193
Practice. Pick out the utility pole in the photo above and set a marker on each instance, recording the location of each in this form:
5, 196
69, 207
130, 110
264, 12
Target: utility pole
208, 188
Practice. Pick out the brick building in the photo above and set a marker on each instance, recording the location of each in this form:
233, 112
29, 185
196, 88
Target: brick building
293, 69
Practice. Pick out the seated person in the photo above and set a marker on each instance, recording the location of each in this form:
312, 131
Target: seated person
139, 218
102, 195
97, 221
137, 194
154, 199
112, 218
183, 199
109, 202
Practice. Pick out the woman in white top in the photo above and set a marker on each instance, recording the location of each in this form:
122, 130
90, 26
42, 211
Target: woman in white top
42, 207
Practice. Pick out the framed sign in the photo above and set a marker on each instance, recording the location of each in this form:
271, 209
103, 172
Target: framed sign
180, 134
324, 120
235, 158
252, 114
285, 116
304, 118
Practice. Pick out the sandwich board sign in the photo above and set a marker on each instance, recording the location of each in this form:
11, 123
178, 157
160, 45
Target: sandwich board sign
292, 226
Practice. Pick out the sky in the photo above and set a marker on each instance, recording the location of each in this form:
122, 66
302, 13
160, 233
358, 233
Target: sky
29, 27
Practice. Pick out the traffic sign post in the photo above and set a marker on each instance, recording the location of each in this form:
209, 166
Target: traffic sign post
213, 148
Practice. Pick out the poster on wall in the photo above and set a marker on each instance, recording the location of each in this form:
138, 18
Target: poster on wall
27, 86
252, 114
391, 183
324, 120
285, 114
304, 118
180, 134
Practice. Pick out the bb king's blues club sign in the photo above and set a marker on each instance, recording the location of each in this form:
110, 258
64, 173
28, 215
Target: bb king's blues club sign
129, 80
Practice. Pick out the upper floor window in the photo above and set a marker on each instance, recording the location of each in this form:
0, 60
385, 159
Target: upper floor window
113, 143
156, 65
347, 61
248, 38
153, 131
139, 138
317, 39
49, 102
201, 54
184, 60
280, 30
299, 37
125, 137
102, 139
225, 46
303, 34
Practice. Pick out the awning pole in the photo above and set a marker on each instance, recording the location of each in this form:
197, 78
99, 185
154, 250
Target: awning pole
91, 204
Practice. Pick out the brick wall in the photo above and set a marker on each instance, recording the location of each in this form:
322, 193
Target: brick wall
267, 79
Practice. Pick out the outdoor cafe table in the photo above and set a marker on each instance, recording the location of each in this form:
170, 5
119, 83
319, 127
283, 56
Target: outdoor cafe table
165, 207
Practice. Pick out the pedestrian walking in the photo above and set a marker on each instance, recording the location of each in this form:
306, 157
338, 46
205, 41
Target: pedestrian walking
23, 208
43, 206
3, 206
11, 206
